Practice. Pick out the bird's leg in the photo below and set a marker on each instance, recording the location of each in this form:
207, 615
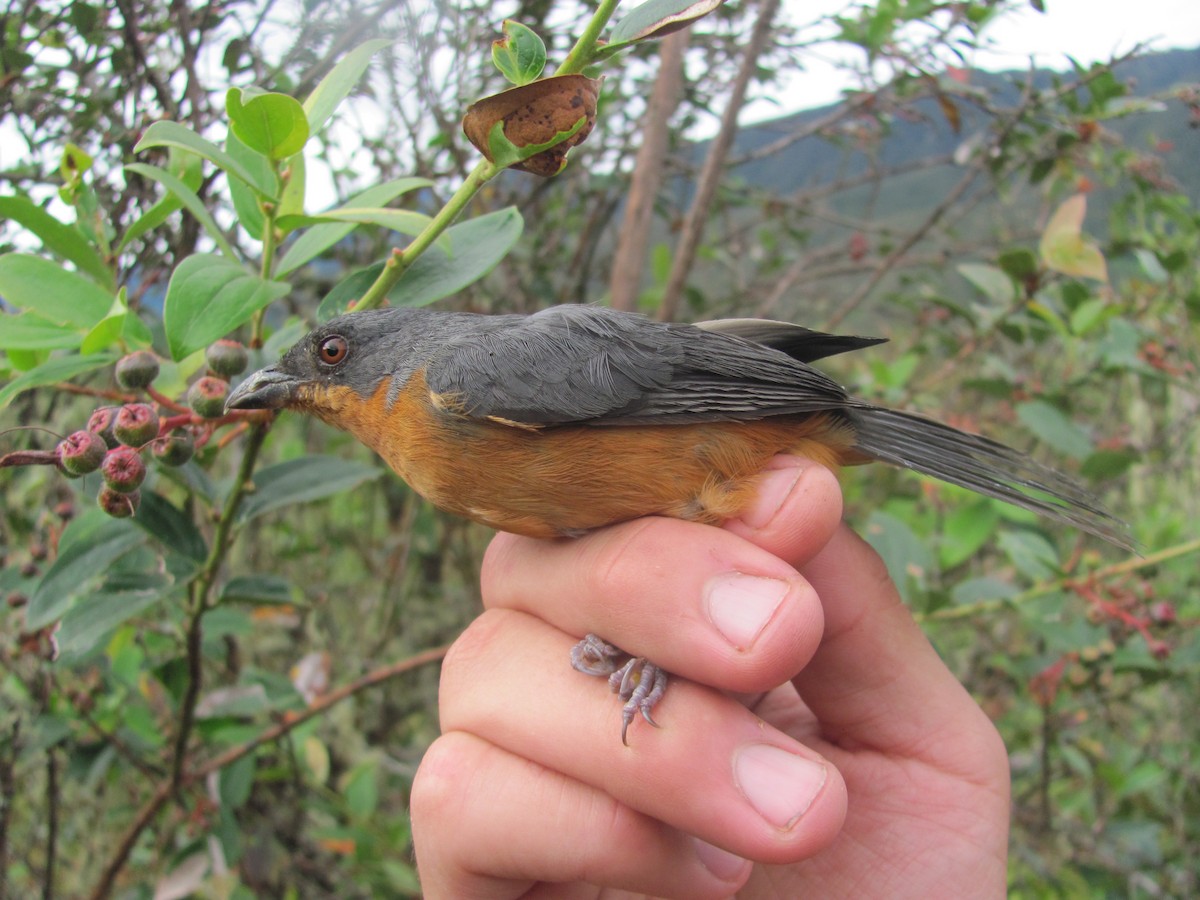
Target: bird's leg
636, 680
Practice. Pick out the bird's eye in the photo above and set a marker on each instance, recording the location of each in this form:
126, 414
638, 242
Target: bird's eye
333, 350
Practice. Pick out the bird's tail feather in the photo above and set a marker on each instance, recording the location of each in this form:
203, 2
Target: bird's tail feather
984, 466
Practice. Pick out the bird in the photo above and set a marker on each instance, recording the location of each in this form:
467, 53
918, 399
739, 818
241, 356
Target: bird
579, 416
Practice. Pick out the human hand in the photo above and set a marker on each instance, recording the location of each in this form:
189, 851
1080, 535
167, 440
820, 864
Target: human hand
858, 766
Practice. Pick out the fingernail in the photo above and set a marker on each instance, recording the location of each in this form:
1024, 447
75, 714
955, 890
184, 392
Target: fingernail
773, 489
723, 864
740, 606
780, 785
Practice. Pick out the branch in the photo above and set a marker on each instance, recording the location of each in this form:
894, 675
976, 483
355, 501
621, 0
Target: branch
200, 589
629, 260
714, 164
1042, 588
187, 778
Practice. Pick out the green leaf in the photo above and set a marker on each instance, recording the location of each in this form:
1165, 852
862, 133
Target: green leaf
520, 55
190, 200
477, 245
504, 153
401, 220
54, 293
246, 201
302, 480
271, 124
337, 85
135, 334
105, 334
319, 238
966, 530
209, 296
1104, 464
60, 239
976, 590
73, 163
24, 360
239, 701
1053, 427
112, 330
53, 371
1151, 267
361, 790
260, 590
187, 168
291, 201
907, 557
29, 332
172, 134
1033, 556
1065, 249
1090, 314
1018, 263
659, 18
316, 758
349, 289
235, 781
993, 283
87, 625
88, 546
170, 526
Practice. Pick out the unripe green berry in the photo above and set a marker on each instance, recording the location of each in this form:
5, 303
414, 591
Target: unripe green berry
207, 397
173, 449
123, 470
227, 358
117, 504
102, 422
136, 424
137, 370
81, 453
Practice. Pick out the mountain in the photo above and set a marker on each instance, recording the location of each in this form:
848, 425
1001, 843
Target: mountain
928, 132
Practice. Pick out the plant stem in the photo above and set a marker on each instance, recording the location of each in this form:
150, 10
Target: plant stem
401, 260
579, 57
267, 266
581, 54
199, 602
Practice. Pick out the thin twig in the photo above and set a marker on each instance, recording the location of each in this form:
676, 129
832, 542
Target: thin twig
1042, 588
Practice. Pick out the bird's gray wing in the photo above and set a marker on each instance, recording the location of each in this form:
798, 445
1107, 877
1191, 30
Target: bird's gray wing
575, 364
796, 341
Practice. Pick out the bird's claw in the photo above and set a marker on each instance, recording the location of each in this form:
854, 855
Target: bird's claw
637, 681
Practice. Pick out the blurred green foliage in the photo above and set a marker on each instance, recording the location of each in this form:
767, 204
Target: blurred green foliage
1031, 258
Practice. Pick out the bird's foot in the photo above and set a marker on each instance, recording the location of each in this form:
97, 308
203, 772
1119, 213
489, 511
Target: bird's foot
636, 680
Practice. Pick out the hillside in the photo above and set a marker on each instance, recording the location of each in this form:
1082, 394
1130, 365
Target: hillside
816, 160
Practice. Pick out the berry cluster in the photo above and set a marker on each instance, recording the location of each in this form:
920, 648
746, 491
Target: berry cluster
117, 437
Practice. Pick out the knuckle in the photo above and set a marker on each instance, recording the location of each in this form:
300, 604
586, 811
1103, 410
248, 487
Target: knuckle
621, 560
468, 655
436, 788
498, 566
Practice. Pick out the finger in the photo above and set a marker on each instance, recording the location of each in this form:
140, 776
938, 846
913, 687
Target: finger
713, 770
906, 699
795, 512
470, 798
699, 601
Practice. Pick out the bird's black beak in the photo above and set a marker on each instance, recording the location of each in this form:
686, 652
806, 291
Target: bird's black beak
268, 388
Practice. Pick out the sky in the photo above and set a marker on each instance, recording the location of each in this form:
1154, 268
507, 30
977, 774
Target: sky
1088, 30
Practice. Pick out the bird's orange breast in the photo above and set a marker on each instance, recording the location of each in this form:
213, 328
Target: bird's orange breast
563, 480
